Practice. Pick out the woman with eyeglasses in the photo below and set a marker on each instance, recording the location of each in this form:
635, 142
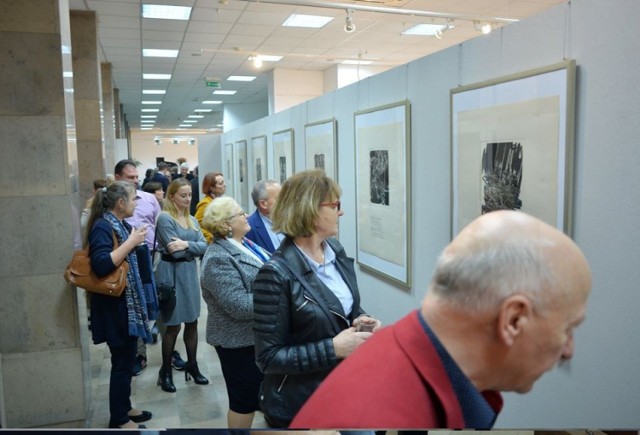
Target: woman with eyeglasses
307, 314
229, 267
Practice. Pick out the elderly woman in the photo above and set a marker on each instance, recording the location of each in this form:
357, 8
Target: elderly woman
213, 186
229, 267
307, 314
180, 242
118, 321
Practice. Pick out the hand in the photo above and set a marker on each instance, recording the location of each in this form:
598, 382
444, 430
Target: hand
177, 244
138, 234
367, 323
348, 340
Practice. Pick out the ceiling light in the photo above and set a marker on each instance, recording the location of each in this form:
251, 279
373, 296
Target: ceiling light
152, 102
348, 24
157, 141
156, 76
190, 121
166, 12
154, 91
241, 78
148, 120
224, 93
148, 116
356, 62
150, 110
203, 110
212, 101
146, 128
257, 62
175, 141
196, 116
150, 52
185, 125
485, 28
270, 58
428, 29
310, 21
192, 142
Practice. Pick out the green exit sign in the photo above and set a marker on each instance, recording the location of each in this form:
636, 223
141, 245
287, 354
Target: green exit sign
213, 84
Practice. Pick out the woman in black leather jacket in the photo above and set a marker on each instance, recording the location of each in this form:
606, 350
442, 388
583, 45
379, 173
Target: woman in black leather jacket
307, 314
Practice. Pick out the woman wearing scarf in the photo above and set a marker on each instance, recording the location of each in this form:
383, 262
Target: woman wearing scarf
229, 267
118, 321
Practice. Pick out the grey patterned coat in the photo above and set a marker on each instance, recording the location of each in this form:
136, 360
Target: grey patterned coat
226, 279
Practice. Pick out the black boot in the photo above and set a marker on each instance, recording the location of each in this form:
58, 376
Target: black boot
165, 379
193, 370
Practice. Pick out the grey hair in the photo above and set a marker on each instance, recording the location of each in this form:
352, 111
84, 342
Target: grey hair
259, 191
481, 280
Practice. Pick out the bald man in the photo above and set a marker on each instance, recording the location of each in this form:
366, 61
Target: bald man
502, 306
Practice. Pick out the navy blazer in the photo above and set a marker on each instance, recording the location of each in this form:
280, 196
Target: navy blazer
259, 233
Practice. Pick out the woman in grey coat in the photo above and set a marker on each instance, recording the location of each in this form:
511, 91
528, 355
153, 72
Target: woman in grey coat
179, 242
228, 269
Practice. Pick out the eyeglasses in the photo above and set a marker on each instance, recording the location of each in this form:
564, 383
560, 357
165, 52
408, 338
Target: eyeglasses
335, 205
240, 213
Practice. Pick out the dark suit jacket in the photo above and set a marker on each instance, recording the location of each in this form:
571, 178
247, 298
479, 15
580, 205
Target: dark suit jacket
259, 233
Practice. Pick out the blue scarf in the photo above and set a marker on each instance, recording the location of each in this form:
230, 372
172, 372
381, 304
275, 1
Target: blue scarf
134, 293
256, 249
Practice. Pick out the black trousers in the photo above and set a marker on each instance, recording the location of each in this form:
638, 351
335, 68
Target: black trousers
122, 361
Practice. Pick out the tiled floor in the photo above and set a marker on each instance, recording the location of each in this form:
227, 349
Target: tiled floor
192, 406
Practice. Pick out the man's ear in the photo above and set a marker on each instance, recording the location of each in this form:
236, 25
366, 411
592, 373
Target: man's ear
515, 312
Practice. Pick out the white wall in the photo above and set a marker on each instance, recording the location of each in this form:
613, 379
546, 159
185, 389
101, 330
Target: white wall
599, 388
145, 150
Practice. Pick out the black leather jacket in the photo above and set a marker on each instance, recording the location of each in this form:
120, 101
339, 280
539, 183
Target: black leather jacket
295, 319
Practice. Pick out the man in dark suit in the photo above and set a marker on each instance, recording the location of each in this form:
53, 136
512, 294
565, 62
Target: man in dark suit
264, 195
162, 176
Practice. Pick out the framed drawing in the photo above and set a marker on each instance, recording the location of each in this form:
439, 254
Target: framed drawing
283, 154
512, 146
320, 147
259, 159
228, 169
383, 181
241, 178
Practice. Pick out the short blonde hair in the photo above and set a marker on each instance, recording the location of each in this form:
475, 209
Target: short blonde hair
298, 204
217, 214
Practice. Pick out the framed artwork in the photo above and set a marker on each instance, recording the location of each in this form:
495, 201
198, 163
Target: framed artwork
241, 178
383, 181
259, 159
228, 169
283, 154
320, 147
512, 146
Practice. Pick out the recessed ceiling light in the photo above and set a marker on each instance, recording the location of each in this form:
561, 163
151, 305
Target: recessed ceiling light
156, 76
190, 120
196, 116
212, 102
356, 62
427, 29
185, 125
150, 110
146, 128
241, 78
312, 21
152, 52
224, 92
148, 120
203, 110
266, 57
148, 116
154, 91
166, 12
152, 102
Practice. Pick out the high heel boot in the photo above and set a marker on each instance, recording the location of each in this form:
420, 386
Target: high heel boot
165, 379
193, 370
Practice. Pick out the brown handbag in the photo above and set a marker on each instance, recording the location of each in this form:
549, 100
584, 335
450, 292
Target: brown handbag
80, 274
